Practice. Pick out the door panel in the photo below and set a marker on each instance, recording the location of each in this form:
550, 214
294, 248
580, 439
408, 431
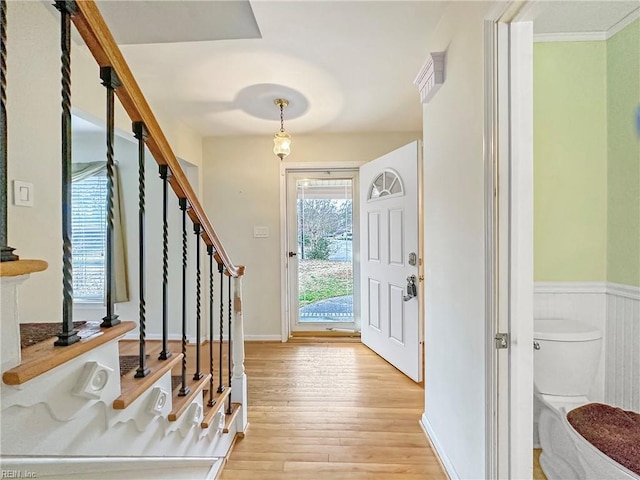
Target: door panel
389, 215
374, 304
373, 230
396, 312
396, 240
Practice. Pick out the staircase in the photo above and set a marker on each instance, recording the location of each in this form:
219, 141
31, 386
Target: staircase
75, 403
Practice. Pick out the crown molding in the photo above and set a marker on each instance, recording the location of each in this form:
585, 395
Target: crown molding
570, 37
588, 36
626, 21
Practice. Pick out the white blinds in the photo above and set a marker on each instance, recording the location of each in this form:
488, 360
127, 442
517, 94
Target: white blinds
89, 228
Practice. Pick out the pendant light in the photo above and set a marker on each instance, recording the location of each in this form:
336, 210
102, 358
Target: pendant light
281, 140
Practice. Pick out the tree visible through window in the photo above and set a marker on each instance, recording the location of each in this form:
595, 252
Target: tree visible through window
89, 235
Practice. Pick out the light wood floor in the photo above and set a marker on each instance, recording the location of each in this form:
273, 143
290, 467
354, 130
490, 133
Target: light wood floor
538, 474
330, 411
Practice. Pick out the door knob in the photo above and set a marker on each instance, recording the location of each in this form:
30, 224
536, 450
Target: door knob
412, 290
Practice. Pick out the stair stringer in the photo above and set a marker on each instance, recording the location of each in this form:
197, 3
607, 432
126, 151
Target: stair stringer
49, 416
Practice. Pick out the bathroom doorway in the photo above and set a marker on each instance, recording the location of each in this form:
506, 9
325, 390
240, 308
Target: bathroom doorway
572, 165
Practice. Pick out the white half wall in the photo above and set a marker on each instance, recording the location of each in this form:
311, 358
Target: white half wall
622, 364
455, 399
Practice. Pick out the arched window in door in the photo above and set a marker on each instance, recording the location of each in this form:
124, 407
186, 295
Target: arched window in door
388, 183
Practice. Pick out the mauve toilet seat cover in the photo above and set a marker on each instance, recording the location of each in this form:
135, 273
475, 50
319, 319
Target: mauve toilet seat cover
613, 431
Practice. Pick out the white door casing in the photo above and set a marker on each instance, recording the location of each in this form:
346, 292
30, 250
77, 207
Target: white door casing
389, 235
292, 177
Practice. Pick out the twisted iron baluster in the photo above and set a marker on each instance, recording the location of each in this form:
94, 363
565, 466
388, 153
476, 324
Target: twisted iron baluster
221, 271
165, 174
184, 389
68, 335
6, 252
229, 410
111, 82
211, 401
140, 132
196, 229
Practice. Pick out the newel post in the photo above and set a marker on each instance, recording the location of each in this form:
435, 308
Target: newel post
239, 379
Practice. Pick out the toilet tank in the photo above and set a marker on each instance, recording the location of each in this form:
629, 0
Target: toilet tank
566, 356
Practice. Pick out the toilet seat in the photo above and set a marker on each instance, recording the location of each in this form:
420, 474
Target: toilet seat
565, 453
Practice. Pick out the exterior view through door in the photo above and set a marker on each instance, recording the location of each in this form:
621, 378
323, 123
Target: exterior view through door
321, 254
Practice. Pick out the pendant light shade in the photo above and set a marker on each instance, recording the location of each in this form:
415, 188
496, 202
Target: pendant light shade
281, 140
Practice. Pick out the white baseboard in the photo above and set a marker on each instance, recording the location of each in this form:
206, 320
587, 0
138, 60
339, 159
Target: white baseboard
263, 338
433, 440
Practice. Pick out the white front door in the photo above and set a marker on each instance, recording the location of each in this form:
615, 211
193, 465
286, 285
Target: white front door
389, 259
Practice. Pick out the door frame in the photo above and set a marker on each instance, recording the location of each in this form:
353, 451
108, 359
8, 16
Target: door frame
285, 330
509, 239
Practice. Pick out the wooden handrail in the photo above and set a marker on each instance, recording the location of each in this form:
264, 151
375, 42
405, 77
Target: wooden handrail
93, 29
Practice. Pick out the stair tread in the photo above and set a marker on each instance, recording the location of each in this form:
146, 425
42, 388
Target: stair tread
180, 404
231, 417
210, 412
131, 387
44, 356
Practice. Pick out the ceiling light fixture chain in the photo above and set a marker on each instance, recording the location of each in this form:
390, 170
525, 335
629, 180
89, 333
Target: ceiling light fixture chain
281, 117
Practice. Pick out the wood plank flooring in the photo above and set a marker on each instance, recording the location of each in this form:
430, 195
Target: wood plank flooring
330, 410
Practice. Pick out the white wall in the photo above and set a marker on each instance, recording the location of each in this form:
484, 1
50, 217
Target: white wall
454, 246
34, 143
242, 190
89, 146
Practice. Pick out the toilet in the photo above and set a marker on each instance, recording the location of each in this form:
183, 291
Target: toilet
566, 356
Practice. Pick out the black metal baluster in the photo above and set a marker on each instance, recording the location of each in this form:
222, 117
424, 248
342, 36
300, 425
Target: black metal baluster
221, 272
184, 389
165, 174
68, 335
229, 410
140, 132
211, 401
197, 230
6, 252
111, 81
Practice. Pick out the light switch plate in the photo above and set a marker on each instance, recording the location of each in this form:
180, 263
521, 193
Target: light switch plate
22, 194
260, 232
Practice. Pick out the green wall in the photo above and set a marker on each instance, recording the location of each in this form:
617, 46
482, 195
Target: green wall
623, 180
587, 160
570, 161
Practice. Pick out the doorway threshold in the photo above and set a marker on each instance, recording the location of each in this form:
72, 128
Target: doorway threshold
339, 334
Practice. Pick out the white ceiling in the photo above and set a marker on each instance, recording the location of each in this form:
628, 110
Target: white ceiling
581, 16
345, 66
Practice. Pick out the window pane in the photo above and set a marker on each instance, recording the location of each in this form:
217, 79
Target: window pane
89, 234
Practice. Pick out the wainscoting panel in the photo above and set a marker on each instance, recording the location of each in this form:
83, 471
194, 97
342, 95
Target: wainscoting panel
622, 366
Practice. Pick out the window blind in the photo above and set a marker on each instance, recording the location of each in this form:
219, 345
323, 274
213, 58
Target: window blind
88, 237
